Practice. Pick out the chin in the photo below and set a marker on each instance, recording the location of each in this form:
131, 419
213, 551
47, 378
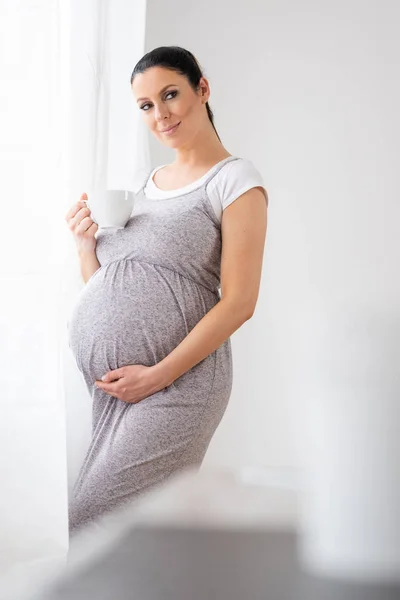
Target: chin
173, 144
170, 143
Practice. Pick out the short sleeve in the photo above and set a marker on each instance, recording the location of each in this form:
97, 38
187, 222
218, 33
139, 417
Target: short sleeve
236, 178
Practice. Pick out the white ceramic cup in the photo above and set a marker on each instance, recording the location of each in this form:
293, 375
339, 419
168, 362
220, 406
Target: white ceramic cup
110, 209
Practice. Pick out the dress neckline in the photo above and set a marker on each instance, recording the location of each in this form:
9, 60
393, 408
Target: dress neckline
152, 187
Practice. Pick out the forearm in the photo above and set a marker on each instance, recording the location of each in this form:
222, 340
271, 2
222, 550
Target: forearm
206, 337
88, 264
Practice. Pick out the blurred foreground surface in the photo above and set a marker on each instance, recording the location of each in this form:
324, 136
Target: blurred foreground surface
207, 536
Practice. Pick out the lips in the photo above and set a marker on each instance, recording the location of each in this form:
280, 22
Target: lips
170, 128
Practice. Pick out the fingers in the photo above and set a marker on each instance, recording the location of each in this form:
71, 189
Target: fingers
74, 222
73, 210
87, 225
76, 207
93, 228
90, 231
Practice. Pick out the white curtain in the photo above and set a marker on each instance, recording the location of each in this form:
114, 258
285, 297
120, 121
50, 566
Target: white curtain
108, 144
67, 116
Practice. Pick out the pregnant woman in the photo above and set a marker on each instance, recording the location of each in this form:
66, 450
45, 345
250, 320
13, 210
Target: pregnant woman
151, 329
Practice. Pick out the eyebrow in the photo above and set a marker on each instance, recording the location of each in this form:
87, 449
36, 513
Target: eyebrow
163, 90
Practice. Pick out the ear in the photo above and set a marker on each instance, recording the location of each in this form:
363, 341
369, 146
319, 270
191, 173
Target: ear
204, 89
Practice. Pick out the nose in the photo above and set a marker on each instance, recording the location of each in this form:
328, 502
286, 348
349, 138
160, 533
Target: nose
161, 112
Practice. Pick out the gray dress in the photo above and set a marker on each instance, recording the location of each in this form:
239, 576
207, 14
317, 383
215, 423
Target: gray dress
158, 277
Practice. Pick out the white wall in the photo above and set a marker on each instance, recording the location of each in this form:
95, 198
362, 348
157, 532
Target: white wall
308, 91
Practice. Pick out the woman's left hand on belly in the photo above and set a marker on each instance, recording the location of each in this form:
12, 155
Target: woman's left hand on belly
133, 383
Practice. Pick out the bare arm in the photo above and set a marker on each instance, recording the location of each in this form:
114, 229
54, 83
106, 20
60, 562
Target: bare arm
88, 264
244, 226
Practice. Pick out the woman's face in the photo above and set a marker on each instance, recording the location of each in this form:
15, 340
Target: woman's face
166, 100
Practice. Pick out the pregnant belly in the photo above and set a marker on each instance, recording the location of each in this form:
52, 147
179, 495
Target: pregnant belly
133, 313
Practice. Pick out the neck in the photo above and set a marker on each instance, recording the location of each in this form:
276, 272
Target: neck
203, 149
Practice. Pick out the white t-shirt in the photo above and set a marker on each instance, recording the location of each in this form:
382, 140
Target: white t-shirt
232, 180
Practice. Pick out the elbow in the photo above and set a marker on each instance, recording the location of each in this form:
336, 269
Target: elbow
248, 307
242, 311
249, 312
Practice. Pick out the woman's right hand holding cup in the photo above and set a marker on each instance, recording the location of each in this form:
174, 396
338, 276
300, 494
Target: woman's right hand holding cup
82, 226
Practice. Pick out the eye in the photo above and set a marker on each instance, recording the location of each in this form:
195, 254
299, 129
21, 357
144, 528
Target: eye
173, 94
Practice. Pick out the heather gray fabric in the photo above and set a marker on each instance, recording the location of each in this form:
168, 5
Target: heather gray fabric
158, 277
